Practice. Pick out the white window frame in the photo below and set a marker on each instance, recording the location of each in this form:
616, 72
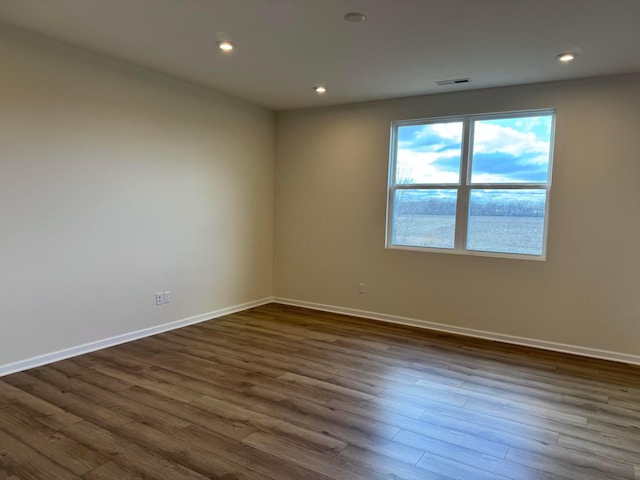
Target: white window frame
464, 185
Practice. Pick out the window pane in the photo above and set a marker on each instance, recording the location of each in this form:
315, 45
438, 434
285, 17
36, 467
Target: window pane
424, 218
511, 150
429, 153
506, 221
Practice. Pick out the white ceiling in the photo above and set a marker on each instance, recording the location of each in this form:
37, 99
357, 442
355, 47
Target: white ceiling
285, 47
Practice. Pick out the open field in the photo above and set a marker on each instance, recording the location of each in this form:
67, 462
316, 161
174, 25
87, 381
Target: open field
487, 233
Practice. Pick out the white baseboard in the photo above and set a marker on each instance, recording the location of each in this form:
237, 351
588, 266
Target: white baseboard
124, 338
469, 332
128, 337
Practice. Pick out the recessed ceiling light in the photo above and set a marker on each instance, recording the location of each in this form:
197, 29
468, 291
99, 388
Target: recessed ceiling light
319, 89
225, 46
354, 17
567, 57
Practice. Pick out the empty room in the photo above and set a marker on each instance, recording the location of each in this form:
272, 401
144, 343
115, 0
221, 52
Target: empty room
319, 239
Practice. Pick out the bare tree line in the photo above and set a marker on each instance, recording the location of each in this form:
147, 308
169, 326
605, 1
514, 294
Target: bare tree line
447, 206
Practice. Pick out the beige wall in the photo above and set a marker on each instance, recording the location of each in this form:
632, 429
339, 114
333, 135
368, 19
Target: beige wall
115, 183
330, 197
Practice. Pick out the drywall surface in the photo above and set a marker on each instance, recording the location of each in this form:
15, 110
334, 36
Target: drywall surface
330, 208
116, 183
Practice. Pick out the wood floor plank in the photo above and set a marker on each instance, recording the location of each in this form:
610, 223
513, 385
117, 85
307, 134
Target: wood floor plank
373, 436
286, 393
599, 470
80, 368
500, 429
130, 455
191, 456
552, 412
180, 371
606, 412
274, 365
390, 467
525, 430
119, 404
625, 453
605, 429
454, 469
74, 457
262, 422
7, 476
580, 384
319, 417
111, 471
325, 386
324, 463
490, 464
454, 438
73, 404
189, 413
269, 466
136, 379
34, 405
23, 461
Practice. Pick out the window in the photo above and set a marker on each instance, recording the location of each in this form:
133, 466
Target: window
476, 184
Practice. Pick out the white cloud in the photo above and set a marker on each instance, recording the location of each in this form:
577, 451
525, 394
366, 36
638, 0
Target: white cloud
449, 131
491, 178
492, 138
418, 167
418, 153
445, 133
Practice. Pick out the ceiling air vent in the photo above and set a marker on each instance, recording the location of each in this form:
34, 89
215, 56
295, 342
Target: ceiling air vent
453, 81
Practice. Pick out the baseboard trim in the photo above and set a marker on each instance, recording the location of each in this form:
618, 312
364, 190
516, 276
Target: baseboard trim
469, 332
131, 336
124, 338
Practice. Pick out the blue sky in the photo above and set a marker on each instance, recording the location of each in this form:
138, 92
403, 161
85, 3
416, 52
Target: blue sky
513, 150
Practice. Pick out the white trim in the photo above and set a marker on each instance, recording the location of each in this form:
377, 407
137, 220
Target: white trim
124, 338
469, 332
464, 186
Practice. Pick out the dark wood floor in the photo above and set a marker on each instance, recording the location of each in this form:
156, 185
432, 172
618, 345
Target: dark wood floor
286, 393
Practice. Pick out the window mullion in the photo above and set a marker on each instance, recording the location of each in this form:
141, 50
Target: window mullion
431, 164
462, 206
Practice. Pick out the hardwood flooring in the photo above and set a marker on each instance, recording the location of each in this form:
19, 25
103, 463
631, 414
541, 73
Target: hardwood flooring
280, 392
